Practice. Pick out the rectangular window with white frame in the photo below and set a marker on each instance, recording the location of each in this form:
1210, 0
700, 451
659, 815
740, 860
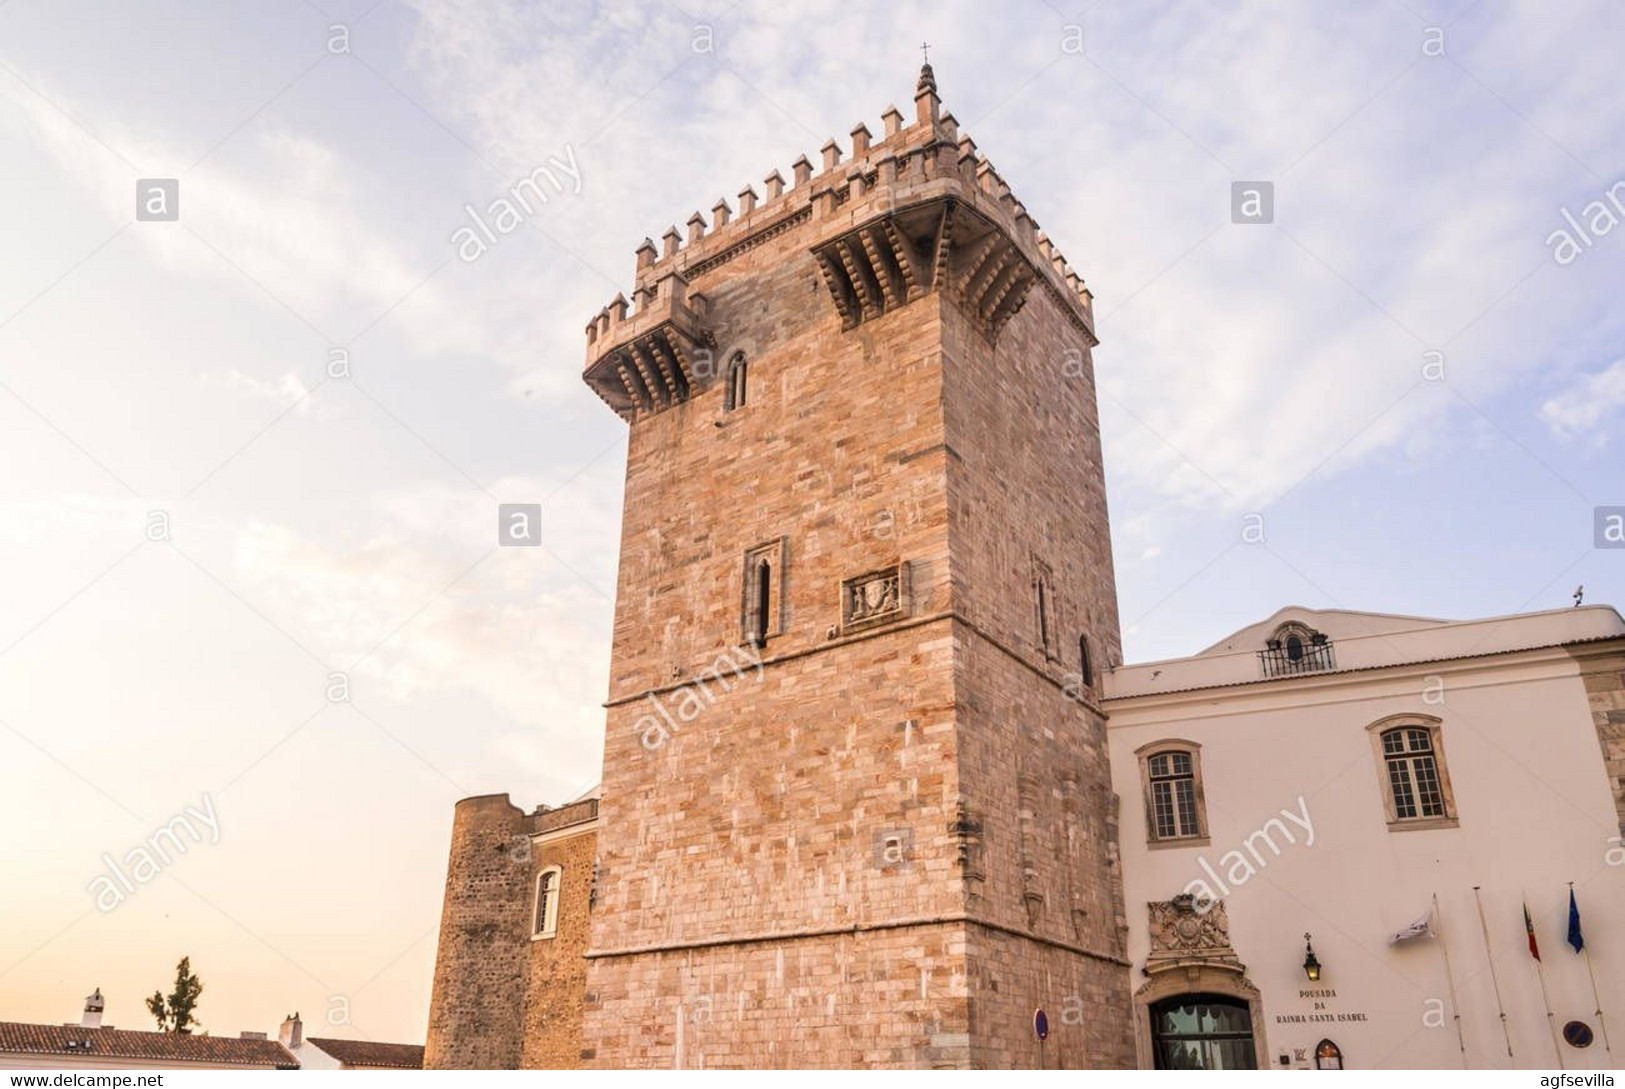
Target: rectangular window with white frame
1415, 782
545, 919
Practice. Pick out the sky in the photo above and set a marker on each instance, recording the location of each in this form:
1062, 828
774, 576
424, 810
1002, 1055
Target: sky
251, 457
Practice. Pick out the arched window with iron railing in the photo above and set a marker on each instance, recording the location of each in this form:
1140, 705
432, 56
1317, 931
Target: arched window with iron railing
1296, 648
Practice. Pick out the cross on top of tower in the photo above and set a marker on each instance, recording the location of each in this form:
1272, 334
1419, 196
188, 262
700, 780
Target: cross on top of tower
925, 52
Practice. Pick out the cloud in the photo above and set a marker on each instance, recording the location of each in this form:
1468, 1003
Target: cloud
1234, 363
286, 215
1578, 410
287, 391
415, 589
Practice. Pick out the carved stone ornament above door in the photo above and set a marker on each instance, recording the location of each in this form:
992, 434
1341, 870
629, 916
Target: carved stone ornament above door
1186, 931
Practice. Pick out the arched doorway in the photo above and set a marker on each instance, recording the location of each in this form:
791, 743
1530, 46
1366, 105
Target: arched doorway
1191, 963
1202, 1032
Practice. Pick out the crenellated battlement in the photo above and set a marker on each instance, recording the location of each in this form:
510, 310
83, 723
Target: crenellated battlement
920, 209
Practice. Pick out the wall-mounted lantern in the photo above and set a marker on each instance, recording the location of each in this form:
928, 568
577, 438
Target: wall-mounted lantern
1311, 963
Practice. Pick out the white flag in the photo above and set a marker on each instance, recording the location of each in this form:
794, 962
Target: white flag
1421, 928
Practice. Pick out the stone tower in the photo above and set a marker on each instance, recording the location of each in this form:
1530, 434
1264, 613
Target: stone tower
856, 807
502, 998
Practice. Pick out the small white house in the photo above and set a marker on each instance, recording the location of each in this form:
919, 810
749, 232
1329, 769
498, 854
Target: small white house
328, 1053
91, 1045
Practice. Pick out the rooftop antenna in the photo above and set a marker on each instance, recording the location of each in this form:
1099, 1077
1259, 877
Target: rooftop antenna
1579, 595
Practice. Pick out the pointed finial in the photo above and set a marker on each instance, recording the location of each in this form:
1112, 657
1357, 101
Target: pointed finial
646, 253
893, 120
926, 103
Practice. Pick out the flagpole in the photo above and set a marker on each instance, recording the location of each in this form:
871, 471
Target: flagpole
1595, 997
1540, 974
1602, 1024
1495, 979
1450, 977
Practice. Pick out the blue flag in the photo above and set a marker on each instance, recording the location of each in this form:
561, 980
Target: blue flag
1576, 938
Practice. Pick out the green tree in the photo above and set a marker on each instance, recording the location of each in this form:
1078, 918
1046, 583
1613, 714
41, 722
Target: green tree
174, 1014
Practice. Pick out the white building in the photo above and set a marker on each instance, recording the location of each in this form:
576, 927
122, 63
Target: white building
1330, 773
337, 1053
91, 1045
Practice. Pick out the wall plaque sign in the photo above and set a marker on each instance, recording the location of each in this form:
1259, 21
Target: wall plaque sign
874, 598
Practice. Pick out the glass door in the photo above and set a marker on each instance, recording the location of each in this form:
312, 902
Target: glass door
1202, 1032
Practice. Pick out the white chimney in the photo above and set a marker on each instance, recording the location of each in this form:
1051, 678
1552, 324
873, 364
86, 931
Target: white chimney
94, 1004
292, 1033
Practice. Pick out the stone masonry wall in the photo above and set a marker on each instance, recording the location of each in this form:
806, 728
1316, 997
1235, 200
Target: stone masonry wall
1027, 486
1032, 743
763, 816
475, 1010
557, 982
501, 1000
1087, 1003
1604, 677
838, 448
892, 998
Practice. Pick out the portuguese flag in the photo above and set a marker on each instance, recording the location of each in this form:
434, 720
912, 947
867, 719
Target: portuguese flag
1529, 928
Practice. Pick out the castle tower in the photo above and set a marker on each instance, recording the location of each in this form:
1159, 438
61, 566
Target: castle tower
856, 806
477, 1004
509, 972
